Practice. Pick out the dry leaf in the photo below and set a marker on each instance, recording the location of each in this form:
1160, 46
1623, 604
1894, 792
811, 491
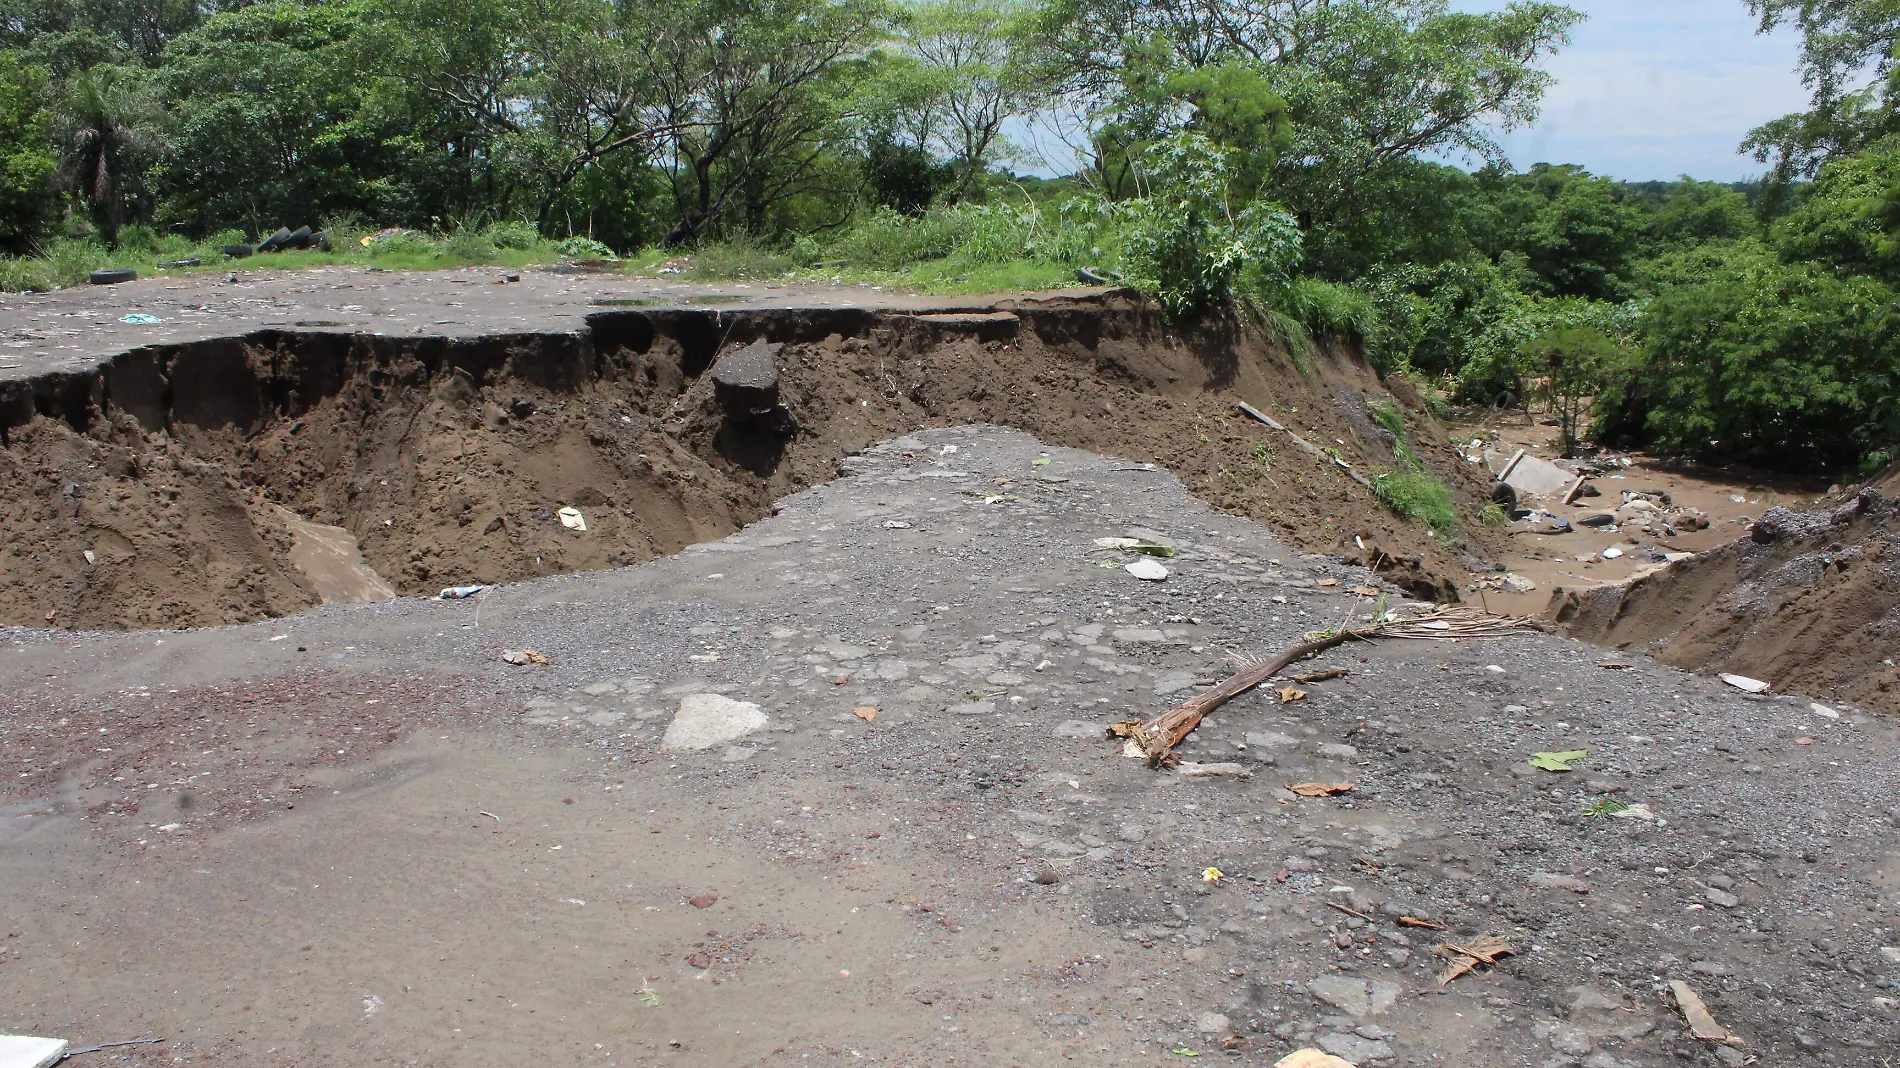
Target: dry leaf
1328, 582
1320, 789
1365, 591
1414, 921
865, 713
520, 657
1290, 694
1465, 958
1701, 1022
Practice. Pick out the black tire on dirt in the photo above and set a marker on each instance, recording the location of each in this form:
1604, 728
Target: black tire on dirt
111, 276
1504, 495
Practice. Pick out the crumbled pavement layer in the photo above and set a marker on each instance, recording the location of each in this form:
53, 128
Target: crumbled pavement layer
414, 851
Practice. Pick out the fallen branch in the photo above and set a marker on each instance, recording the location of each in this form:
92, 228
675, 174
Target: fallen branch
1158, 736
1322, 676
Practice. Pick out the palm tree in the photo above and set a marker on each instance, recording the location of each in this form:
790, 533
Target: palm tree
110, 118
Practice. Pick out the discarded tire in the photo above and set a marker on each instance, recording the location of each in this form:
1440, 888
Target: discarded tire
275, 241
1504, 495
299, 238
107, 276
238, 252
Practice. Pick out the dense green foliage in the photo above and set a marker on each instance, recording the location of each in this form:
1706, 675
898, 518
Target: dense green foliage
1283, 157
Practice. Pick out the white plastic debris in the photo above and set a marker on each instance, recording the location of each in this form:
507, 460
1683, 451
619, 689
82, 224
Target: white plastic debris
1612, 553
456, 593
1150, 570
572, 519
1745, 684
26, 1051
1822, 710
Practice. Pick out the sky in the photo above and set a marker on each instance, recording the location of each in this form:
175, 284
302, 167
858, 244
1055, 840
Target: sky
1658, 88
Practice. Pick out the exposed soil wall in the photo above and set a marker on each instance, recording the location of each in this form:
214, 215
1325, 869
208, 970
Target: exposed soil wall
448, 460
1809, 602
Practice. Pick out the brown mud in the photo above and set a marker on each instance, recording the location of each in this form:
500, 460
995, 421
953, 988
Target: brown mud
151, 493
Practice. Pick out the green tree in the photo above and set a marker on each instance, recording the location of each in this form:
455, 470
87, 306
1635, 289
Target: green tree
1693, 213
972, 52
110, 125
26, 164
1575, 360
1578, 235
1850, 218
1848, 63
1784, 365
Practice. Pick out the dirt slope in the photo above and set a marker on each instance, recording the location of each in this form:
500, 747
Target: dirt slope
1809, 601
448, 460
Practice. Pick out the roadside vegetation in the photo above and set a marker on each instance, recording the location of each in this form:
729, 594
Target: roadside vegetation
1199, 154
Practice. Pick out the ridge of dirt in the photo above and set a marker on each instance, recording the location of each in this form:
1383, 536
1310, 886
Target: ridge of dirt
146, 495
1809, 602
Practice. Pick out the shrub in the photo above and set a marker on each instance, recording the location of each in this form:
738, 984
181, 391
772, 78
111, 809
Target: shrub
585, 248
512, 236
1420, 496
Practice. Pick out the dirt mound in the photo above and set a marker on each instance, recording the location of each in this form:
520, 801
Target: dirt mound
152, 493
1809, 602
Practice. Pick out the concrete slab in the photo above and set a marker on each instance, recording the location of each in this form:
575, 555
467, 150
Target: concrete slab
25, 1051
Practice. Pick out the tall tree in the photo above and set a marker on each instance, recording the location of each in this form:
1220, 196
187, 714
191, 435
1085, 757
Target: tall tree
26, 163
1849, 52
109, 121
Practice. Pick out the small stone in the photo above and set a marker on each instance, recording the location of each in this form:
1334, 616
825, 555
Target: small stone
1272, 740
1565, 1038
1890, 954
1131, 832
705, 720
1359, 997
1544, 880
1353, 1048
1337, 751
1213, 1023
1138, 636
1076, 728
1721, 897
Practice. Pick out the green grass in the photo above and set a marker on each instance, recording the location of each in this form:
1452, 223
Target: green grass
1420, 496
64, 262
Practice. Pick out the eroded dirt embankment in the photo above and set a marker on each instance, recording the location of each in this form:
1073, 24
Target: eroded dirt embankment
1809, 602
150, 493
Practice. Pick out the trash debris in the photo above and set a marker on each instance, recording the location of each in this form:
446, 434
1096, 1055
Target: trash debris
1311, 1058
572, 519
456, 593
1320, 789
1822, 710
865, 713
26, 1051
896, 524
520, 657
1745, 684
1529, 475
1148, 570
1558, 761
1611, 553
141, 319
1040, 461
1212, 875
1701, 1022
1290, 694
1466, 958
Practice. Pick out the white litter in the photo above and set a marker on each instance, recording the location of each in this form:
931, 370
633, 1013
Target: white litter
25, 1051
456, 593
1822, 710
572, 519
1611, 553
1149, 570
1746, 684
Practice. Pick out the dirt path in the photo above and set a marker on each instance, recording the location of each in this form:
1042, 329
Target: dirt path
155, 877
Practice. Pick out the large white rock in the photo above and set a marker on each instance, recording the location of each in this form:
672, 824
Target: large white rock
707, 719
22, 1051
